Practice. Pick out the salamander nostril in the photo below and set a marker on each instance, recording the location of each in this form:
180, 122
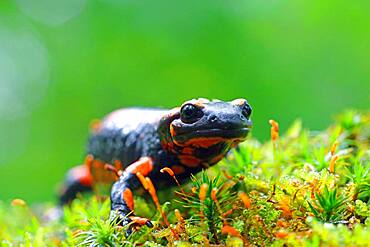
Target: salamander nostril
212, 118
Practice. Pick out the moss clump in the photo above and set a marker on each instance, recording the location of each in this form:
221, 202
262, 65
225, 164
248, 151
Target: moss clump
300, 189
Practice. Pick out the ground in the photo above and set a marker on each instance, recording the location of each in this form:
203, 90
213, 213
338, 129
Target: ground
300, 188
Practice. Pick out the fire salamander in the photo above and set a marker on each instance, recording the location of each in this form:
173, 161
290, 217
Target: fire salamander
139, 142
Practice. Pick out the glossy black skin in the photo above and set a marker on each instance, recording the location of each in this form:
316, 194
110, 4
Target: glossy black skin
123, 138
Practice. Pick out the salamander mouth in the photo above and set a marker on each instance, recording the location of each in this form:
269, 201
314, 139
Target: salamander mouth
226, 134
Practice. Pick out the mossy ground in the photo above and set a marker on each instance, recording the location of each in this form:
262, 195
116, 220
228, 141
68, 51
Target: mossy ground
303, 188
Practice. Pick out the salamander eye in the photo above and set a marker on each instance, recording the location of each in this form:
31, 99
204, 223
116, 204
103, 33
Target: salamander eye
189, 113
247, 110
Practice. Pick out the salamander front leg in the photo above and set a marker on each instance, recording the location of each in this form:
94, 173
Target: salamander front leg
122, 201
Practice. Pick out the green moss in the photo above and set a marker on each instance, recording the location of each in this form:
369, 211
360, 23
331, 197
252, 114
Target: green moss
289, 192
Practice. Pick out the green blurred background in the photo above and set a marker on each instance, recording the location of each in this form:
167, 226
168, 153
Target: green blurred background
64, 63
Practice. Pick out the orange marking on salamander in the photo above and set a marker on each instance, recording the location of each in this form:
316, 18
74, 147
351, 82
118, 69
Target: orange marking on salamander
167, 145
89, 160
239, 102
128, 198
143, 165
187, 150
172, 131
199, 104
189, 161
203, 142
142, 180
173, 112
101, 172
82, 174
95, 125
113, 169
177, 169
217, 158
118, 164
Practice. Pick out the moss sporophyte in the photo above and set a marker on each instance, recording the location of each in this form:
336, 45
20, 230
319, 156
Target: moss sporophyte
313, 189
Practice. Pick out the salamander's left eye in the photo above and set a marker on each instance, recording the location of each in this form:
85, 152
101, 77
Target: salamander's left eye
189, 113
247, 110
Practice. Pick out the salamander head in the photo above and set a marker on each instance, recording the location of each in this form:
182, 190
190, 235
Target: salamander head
204, 128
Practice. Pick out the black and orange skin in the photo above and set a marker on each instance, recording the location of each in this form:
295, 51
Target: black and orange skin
186, 139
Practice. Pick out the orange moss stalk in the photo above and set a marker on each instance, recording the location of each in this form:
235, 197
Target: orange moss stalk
261, 222
312, 193
226, 174
227, 185
334, 158
203, 192
202, 196
172, 174
178, 216
154, 196
180, 228
229, 230
228, 212
19, 202
246, 200
284, 207
194, 190
272, 194
148, 185
281, 234
214, 198
332, 163
334, 147
138, 220
226, 229
281, 223
274, 130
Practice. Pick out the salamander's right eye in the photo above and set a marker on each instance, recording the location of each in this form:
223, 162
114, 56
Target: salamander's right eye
189, 113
